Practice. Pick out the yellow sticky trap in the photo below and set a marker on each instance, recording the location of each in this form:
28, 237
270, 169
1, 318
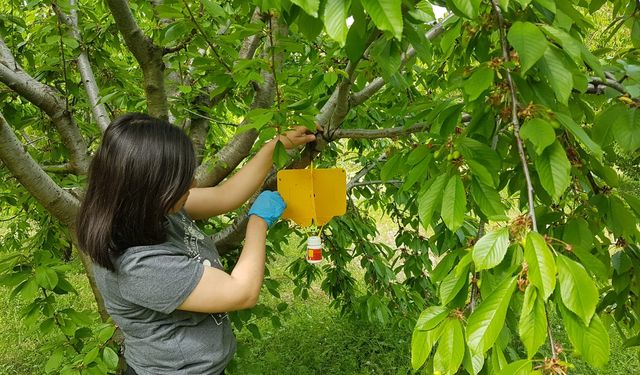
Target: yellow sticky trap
313, 195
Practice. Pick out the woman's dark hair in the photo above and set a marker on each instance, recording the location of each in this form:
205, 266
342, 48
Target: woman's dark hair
143, 167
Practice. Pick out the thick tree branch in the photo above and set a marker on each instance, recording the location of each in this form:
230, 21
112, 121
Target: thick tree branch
98, 110
49, 101
379, 82
148, 55
60, 203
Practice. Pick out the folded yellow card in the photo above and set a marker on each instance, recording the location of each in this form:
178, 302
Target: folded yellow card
313, 196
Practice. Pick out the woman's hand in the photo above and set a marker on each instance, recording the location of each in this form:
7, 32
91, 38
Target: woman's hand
296, 137
269, 206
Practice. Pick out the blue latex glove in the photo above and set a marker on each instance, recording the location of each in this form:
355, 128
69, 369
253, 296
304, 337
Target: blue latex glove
269, 206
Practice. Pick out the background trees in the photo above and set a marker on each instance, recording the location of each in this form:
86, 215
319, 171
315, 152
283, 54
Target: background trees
501, 140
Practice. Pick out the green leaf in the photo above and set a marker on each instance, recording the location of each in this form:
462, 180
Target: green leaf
54, 361
454, 203
549, 4
91, 356
578, 235
484, 162
603, 126
529, 42
489, 251
391, 167
473, 362
421, 344
524, 3
486, 322
582, 136
554, 170
214, 9
533, 321
478, 82
539, 132
626, 130
559, 77
309, 6
110, 358
521, 367
451, 348
430, 199
542, 267
176, 31
451, 285
591, 341
255, 119
467, 7
633, 202
579, 293
386, 14
488, 200
431, 317
46, 277
309, 26
388, 55
280, 156
569, 44
335, 19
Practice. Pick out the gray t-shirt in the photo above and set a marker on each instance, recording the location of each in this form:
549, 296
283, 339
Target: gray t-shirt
150, 282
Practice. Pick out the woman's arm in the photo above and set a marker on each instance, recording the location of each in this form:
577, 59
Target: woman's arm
219, 291
204, 203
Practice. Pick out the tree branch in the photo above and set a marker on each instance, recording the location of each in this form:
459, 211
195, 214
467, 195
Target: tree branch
84, 66
375, 85
238, 148
148, 55
49, 101
60, 203
213, 174
379, 133
523, 157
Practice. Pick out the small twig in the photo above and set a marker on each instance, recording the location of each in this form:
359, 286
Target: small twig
182, 45
206, 38
523, 158
273, 64
373, 182
64, 62
514, 117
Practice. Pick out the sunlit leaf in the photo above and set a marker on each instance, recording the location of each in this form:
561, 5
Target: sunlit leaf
533, 321
579, 293
554, 170
539, 132
529, 41
541, 265
386, 14
486, 322
335, 19
489, 251
591, 341
454, 203
450, 351
309, 6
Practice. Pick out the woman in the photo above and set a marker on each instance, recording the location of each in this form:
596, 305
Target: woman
160, 276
